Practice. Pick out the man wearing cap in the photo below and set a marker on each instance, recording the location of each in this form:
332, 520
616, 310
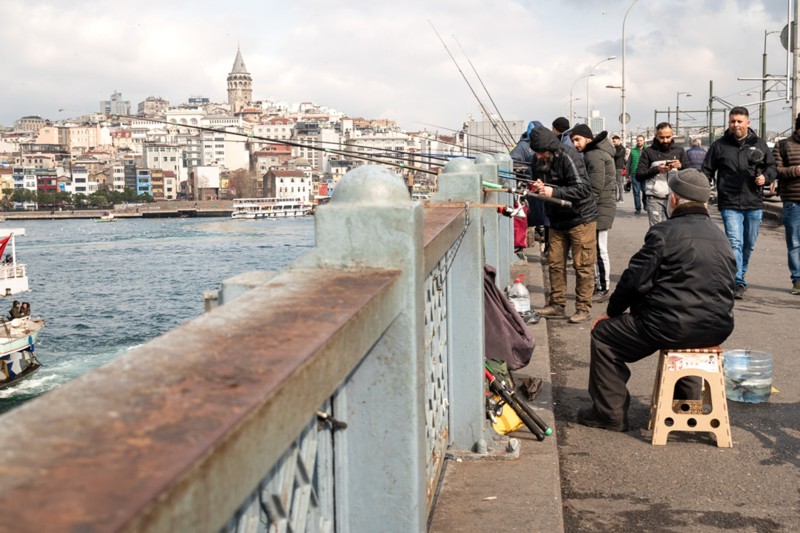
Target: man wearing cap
678, 289
560, 174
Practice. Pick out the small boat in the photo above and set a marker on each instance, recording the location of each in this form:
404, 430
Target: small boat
17, 335
106, 216
251, 208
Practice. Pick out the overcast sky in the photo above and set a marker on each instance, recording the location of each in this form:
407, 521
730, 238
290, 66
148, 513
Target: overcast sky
382, 59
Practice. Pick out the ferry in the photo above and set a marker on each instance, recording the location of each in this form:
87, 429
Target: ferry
270, 208
18, 334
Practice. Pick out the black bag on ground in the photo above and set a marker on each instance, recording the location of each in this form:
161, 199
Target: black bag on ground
506, 335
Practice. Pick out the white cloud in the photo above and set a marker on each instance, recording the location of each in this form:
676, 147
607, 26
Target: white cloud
382, 59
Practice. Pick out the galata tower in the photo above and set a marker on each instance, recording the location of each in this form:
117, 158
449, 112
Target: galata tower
240, 85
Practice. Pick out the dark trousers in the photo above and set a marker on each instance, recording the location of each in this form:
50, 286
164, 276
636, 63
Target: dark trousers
616, 342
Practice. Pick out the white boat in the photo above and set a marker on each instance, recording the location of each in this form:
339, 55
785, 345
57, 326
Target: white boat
18, 335
106, 216
270, 208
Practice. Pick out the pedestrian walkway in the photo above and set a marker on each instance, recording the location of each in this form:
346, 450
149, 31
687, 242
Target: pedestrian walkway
585, 479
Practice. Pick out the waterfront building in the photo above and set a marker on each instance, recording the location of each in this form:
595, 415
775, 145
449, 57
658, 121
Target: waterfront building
240, 85
115, 106
144, 183
82, 182
271, 156
287, 184
118, 177
170, 185
163, 156
24, 177
46, 180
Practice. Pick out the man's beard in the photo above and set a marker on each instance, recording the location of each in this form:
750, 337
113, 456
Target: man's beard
544, 165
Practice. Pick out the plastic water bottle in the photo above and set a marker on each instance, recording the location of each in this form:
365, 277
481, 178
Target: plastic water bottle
519, 296
748, 375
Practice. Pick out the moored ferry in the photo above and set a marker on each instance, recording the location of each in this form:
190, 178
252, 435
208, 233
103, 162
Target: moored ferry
270, 208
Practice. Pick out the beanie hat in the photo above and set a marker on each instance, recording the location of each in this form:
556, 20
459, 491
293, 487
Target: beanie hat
561, 124
583, 130
543, 140
690, 184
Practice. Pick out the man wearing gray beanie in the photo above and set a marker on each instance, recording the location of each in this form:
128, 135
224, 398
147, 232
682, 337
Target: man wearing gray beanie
678, 289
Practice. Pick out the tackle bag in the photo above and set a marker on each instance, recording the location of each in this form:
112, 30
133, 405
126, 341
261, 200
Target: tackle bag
506, 335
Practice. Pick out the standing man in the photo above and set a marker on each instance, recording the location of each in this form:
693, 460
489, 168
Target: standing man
633, 164
660, 159
743, 164
787, 157
696, 154
679, 289
558, 175
598, 155
619, 163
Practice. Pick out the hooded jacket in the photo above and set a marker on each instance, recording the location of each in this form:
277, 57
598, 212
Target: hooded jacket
679, 285
598, 155
653, 182
568, 174
736, 165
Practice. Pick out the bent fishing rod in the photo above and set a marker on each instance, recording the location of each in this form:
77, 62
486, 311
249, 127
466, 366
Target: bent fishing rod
502, 120
480, 103
287, 143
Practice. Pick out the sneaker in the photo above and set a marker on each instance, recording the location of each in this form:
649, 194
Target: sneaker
531, 317
553, 311
738, 293
637, 212
600, 296
589, 417
796, 288
580, 316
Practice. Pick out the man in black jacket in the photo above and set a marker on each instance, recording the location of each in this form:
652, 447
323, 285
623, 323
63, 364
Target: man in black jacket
560, 174
659, 161
743, 164
679, 289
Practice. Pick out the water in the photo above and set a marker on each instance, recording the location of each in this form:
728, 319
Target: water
106, 288
748, 375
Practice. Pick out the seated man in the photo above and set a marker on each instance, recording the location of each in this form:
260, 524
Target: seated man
679, 288
15, 311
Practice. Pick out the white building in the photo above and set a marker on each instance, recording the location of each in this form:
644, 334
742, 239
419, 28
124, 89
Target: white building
118, 177
163, 157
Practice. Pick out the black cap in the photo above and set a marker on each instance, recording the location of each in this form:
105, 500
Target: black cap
582, 130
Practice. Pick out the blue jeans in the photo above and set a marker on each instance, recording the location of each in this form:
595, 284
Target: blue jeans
636, 187
791, 223
741, 228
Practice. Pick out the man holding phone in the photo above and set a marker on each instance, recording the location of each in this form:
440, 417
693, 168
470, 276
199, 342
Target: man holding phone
659, 161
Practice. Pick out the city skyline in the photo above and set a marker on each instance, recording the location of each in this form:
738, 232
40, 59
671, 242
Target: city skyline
384, 61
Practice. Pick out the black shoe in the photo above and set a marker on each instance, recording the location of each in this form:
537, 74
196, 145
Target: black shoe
589, 417
738, 293
637, 212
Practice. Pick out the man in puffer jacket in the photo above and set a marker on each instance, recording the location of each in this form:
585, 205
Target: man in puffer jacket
659, 161
560, 174
743, 164
787, 157
598, 155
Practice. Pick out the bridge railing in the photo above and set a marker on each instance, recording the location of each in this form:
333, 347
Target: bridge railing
321, 398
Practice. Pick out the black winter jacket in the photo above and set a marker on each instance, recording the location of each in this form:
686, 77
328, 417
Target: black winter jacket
568, 176
658, 152
736, 168
679, 286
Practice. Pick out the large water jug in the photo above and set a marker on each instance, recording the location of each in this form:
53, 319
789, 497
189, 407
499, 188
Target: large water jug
748, 375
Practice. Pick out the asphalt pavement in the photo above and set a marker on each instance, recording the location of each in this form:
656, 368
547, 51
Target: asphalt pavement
592, 480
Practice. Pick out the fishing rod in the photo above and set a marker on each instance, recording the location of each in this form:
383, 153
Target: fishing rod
527, 192
505, 124
287, 143
483, 107
488, 139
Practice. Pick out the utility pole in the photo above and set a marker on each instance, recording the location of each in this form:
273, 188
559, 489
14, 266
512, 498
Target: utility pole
792, 45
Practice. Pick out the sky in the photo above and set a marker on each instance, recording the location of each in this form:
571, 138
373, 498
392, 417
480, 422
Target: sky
382, 59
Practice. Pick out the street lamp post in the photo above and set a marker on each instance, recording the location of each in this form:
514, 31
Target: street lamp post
678, 109
624, 117
620, 88
571, 99
762, 108
587, 85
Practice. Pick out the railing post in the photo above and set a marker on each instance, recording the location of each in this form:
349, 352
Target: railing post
379, 458
460, 181
506, 241
485, 165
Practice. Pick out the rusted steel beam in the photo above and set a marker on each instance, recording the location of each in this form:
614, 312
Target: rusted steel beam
441, 229
174, 435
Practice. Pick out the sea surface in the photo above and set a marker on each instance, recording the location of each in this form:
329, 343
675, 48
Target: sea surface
105, 288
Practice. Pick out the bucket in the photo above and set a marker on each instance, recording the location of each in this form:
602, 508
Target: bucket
748, 375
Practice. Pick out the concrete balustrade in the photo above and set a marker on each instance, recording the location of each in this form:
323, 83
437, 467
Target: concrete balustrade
327, 397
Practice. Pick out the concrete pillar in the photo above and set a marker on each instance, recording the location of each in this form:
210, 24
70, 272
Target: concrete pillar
380, 463
460, 182
506, 244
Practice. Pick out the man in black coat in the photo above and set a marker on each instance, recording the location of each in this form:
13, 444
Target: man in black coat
619, 163
679, 289
657, 163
